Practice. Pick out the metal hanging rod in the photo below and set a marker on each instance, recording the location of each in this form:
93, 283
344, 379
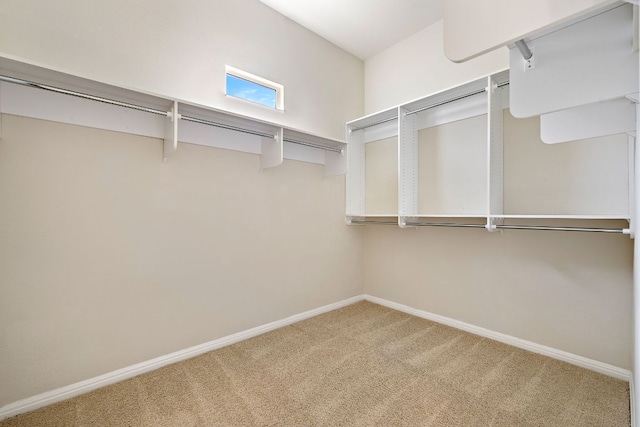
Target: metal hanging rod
28, 83
228, 127
457, 98
374, 222
524, 49
81, 95
309, 144
501, 227
550, 228
443, 224
379, 122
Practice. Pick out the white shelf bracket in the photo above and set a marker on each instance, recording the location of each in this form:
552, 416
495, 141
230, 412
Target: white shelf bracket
272, 153
335, 163
171, 132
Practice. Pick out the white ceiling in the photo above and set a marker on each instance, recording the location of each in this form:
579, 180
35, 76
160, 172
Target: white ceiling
361, 27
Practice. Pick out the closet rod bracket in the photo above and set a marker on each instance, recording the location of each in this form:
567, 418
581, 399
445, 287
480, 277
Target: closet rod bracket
527, 55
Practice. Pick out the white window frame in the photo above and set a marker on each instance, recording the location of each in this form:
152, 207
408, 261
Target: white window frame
229, 70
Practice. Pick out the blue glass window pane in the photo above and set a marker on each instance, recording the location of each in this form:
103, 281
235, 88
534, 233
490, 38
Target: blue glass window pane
241, 88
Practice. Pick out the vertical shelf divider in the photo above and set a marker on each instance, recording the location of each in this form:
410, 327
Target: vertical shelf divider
0, 110
632, 182
495, 155
171, 132
356, 177
407, 167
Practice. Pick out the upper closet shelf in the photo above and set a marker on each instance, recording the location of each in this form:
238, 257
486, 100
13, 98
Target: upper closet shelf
472, 29
41, 93
592, 61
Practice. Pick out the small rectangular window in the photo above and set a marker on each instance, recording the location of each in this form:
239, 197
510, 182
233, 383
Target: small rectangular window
243, 85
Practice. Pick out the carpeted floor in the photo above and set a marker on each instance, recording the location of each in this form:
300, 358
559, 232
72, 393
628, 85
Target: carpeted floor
361, 365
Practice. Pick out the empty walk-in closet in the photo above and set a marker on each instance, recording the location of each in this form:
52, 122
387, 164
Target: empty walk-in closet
257, 212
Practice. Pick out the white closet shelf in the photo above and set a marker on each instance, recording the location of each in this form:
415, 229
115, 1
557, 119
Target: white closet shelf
371, 120
463, 215
475, 199
506, 216
61, 86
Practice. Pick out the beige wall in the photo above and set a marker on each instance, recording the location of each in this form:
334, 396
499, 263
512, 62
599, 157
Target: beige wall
179, 50
110, 257
569, 291
452, 176
381, 177
417, 67
589, 176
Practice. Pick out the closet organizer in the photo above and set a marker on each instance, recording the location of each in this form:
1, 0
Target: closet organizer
41, 93
458, 158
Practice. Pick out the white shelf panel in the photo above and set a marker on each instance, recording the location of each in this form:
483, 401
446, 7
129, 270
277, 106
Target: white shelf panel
46, 94
469, 215
588, 62
373, 120
381, 131
447, 96
452, 112
472, 28
589, 121
460, 157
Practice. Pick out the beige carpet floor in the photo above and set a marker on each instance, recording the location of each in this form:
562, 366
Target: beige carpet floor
361, 365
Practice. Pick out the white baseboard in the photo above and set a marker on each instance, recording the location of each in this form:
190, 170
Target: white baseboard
632, 399
82, 387
583, 362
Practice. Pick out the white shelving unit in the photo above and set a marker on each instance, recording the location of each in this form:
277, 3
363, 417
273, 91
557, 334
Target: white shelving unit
359, 133
41, 93
453, 154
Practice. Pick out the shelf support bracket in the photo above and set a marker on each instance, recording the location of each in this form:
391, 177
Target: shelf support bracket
171, 132
335, 163
271, 150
